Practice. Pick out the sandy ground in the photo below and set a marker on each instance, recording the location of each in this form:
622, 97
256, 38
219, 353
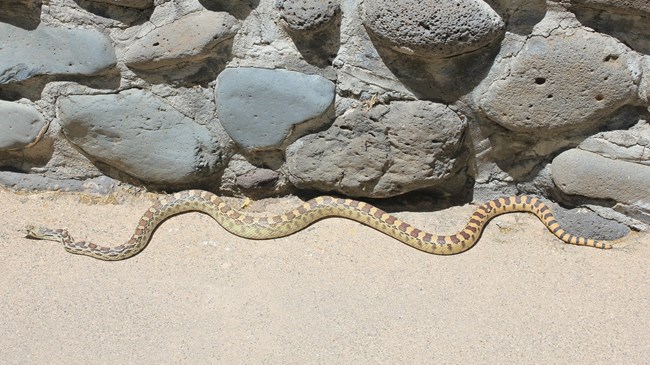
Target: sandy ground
335, 293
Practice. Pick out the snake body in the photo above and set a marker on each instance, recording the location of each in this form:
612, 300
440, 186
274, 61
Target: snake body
253, 227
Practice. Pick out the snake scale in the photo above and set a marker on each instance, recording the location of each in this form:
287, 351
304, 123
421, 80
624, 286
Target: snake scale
247, 226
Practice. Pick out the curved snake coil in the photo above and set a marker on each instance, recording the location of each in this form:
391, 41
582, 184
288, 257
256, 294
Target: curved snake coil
248, 226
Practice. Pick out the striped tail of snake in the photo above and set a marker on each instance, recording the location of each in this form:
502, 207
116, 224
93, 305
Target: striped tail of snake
247, 226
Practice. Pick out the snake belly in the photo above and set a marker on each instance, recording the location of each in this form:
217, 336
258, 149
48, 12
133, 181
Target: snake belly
268, 227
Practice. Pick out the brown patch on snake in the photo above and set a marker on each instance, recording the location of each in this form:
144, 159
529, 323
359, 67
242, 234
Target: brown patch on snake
402, 226
415, 232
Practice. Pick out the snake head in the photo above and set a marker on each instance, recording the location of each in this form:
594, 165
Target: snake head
29, 230
41, 233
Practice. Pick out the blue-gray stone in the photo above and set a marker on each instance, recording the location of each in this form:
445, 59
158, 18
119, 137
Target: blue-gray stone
20, 125
140, 134
49, 50
259, 107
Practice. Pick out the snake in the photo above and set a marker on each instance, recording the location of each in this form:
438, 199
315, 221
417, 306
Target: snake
268, 227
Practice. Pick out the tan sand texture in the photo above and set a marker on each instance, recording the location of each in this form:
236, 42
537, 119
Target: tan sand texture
336, 293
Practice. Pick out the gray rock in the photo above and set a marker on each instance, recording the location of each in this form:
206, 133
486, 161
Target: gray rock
624, 6
136, 4
631, 145
258, 107
190, 38
577, 172
614, 215
432, 28
385, 151
257, 178
140, 134
51, 50
639, 211
20, 125
249, 178
33, 182
21, 13
566, 80
644, 83
302, 15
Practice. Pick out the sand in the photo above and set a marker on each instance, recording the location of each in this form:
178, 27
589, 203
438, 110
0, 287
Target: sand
335, 293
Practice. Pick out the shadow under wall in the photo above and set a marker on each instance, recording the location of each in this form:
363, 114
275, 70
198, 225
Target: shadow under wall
240, 9
126, 15
443, 80
520, 16
32, 88
23, 15
631, 29
511, 151
319, 47
190, 72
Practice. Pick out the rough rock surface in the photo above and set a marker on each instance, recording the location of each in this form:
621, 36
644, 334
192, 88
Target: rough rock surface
20, 125
192, 37
562, 81
631, 145
302, 15
34, 182
644, 84
432, 28
140, 134
257, 178
51, 50
259, 107
577, 172
385, 151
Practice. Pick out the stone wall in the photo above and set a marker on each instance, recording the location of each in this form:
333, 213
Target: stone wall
466, 99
